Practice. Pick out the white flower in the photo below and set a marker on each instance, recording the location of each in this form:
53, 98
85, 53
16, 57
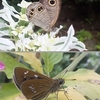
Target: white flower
7, 12
6, 44
66, 43
22, 44
24, 4
28, 29
2, 26
23, 17
45, 42
52, 43
24, 37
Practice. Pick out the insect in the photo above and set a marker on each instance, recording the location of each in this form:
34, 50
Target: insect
44, 13
34, 85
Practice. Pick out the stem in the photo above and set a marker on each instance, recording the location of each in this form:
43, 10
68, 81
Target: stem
73, 64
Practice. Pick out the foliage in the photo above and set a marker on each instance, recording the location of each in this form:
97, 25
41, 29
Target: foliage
17, 33
50, 59
79, 76
91, 61
87, 1
83, 35
86, 82
98, 41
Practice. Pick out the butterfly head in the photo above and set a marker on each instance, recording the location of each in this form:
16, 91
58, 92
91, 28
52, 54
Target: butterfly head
61, 81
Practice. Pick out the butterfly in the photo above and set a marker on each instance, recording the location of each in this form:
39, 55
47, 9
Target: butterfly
34, 85
44, 13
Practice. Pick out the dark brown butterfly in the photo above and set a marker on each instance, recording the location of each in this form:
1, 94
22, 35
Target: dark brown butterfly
34, 85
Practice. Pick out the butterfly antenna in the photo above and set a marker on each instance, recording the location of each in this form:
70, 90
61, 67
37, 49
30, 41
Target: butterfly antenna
64, 73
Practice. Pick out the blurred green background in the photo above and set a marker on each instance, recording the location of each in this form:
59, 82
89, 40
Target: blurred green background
89, 60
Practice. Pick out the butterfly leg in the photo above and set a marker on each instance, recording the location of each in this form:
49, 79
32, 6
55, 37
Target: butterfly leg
57, 95
65, 93
46, 97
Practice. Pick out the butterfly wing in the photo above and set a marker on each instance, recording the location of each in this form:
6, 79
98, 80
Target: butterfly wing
36, 89
23, 74
53, 8
38, 15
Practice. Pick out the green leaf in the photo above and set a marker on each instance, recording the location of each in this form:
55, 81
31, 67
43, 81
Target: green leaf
31, 58
10, 63
8, 91
3, 77
50, 58
71, 94
86, 82
66, 94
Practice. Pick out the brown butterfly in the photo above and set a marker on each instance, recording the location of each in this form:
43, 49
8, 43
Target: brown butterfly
34, 85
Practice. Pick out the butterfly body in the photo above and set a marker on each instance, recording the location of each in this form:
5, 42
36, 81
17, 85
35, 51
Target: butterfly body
34, 85
44, 13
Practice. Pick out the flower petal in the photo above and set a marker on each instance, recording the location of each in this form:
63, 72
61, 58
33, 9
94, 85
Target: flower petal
2, 66
6, 44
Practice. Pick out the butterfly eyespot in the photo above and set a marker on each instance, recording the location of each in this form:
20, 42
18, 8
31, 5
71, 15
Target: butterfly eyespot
31, 13
52, 2
32, 10
40, 9
29, 17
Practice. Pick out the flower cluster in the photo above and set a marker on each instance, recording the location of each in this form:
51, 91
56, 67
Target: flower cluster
16, 33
